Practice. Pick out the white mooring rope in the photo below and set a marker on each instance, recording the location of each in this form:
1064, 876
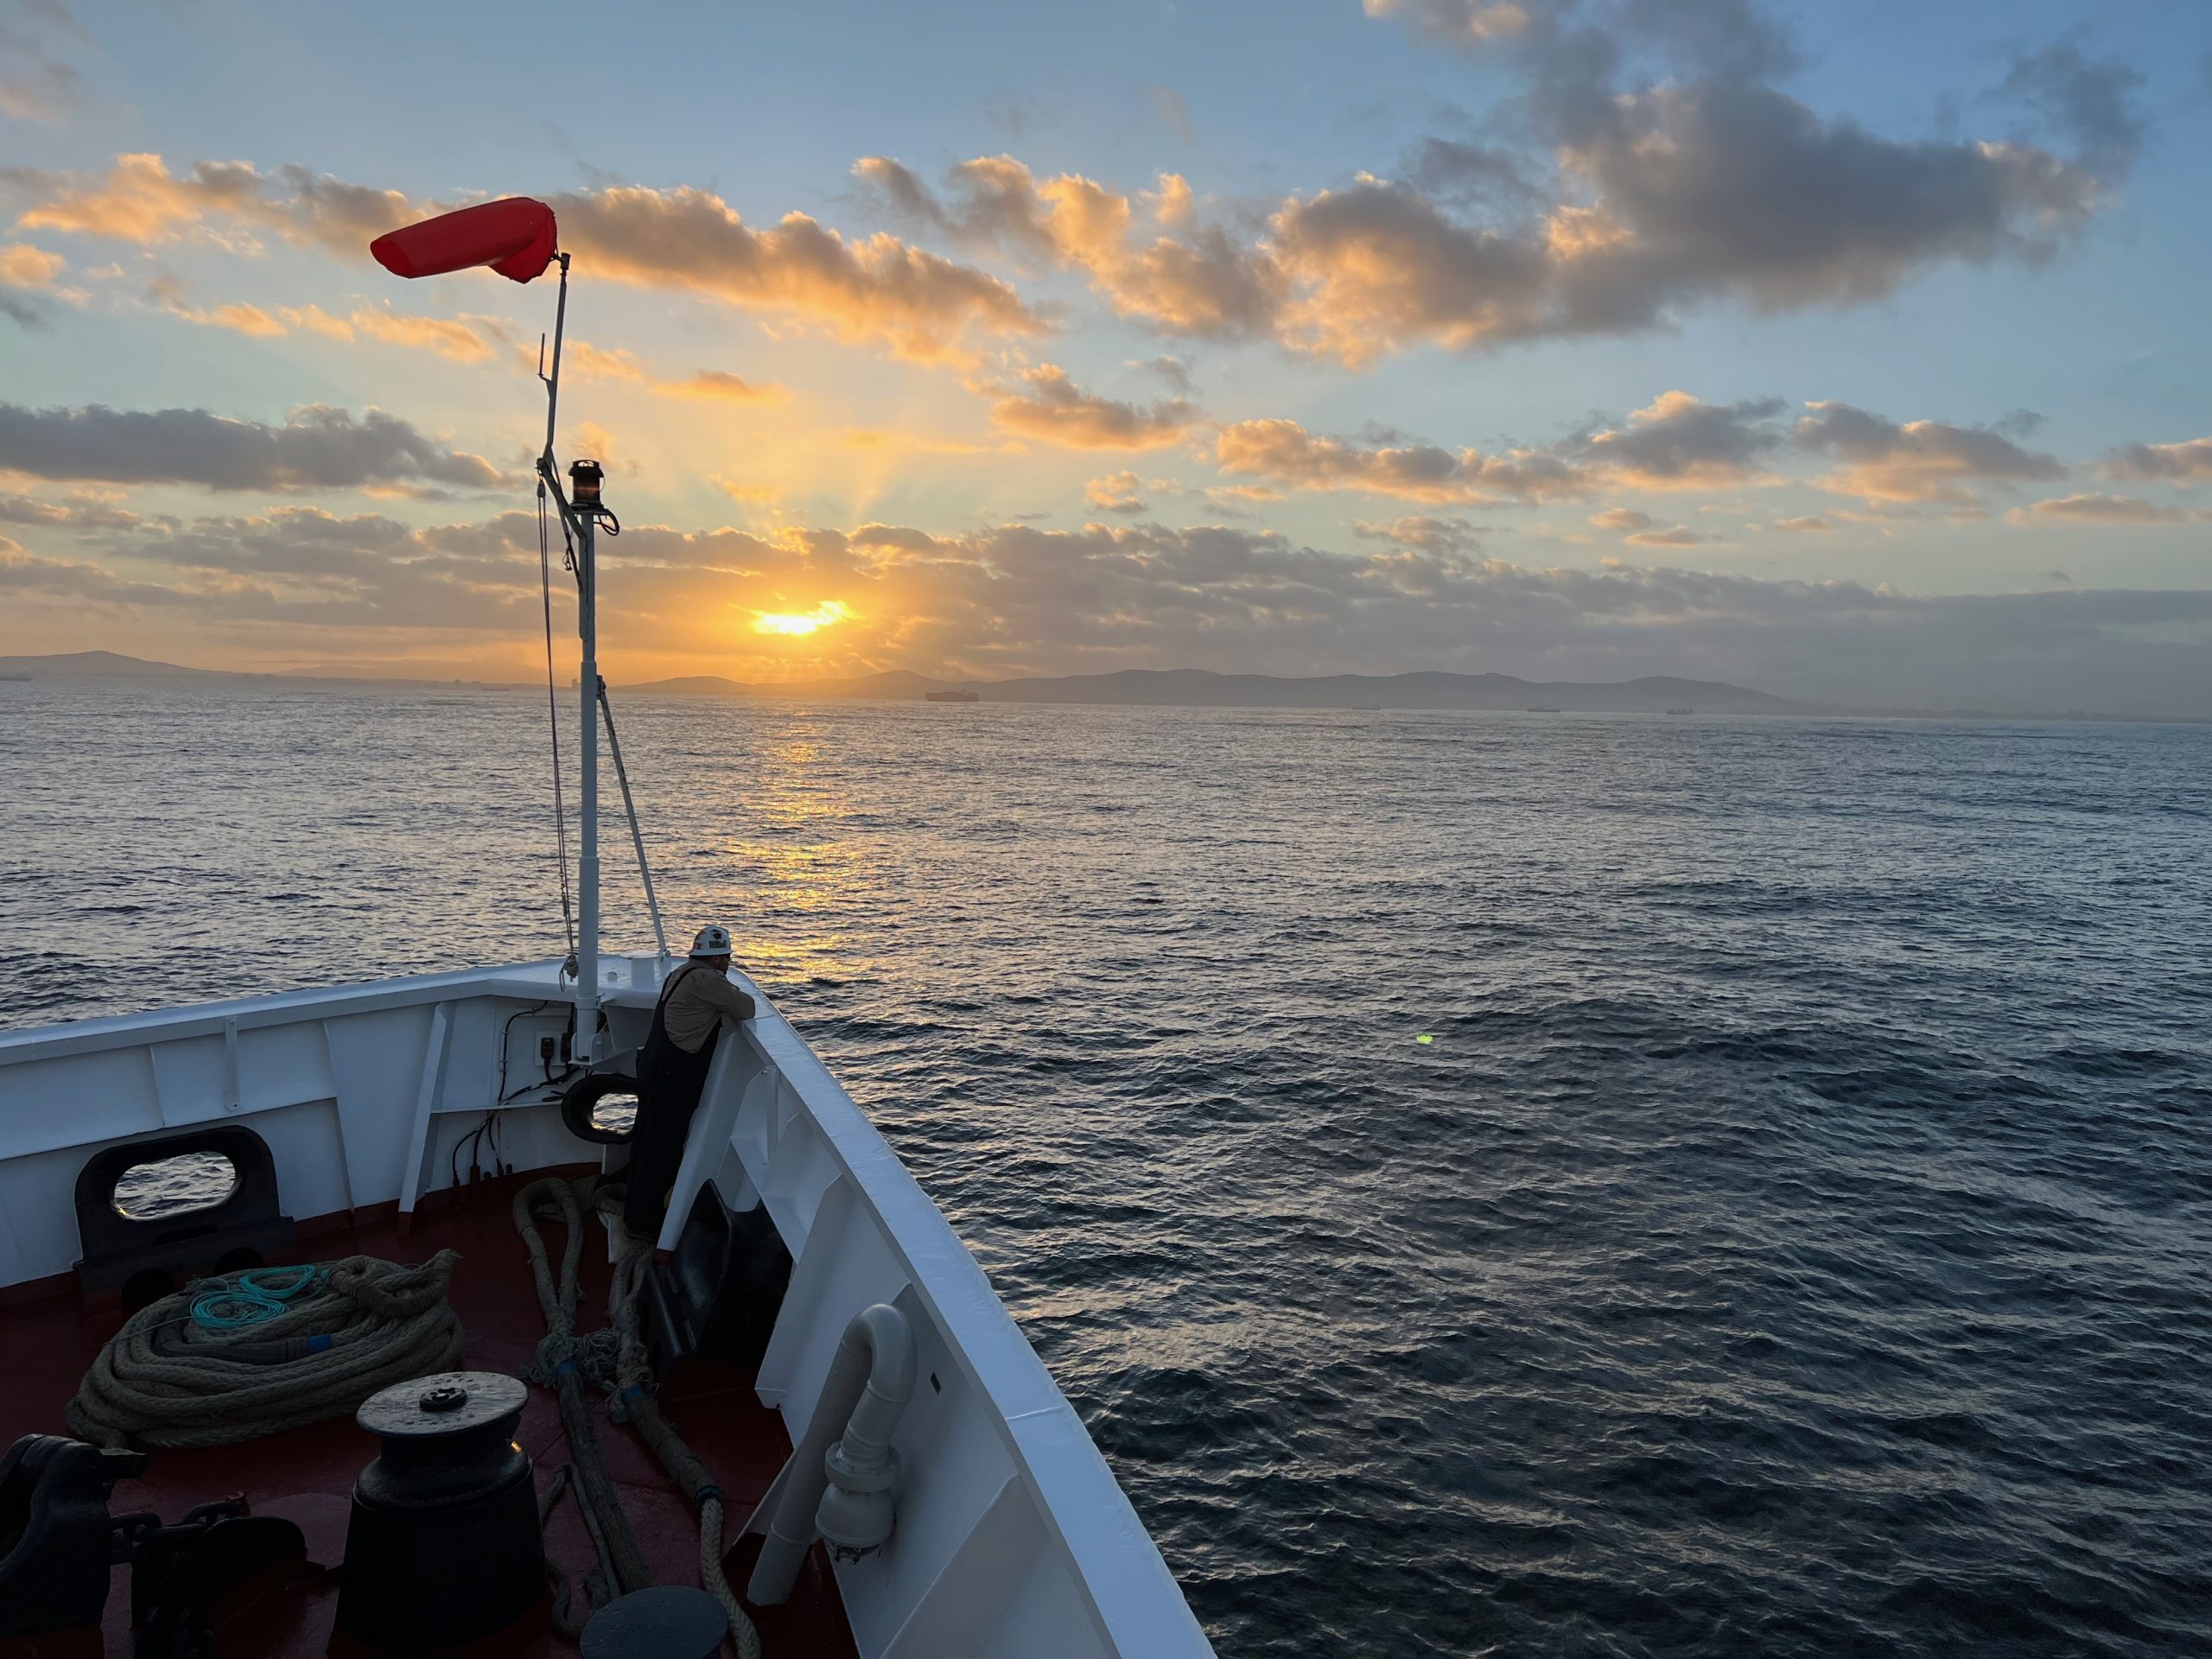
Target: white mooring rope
169, 1378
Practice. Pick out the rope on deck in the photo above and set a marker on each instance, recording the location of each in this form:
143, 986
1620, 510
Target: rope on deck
561, 1357
634, 1400
616, 1360
347, 1330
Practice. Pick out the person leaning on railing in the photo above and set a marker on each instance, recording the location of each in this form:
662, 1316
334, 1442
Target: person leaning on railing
687, 1024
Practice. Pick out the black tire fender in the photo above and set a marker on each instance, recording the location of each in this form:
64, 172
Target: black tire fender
581, 1098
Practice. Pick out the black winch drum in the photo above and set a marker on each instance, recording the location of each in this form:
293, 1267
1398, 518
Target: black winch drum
443, 1545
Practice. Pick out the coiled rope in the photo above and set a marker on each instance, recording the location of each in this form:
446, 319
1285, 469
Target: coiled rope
616, 1360
254, 1296
232, 1358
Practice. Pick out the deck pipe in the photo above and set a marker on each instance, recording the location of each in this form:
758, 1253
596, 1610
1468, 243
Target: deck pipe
841, 1474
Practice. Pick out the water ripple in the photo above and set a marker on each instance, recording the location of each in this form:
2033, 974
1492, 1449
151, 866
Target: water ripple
1794, 1240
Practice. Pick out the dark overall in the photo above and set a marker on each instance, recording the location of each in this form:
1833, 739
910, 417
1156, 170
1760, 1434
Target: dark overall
669, 1081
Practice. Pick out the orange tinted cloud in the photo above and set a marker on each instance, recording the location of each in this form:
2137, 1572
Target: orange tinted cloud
1286, 453
24, 266
461, 340
1916, 460
2178, 463
1053, 410
1116, 493
719, 383
2095, 510
1678, 443
875, 288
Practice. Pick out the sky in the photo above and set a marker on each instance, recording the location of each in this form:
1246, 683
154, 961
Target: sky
1854, 353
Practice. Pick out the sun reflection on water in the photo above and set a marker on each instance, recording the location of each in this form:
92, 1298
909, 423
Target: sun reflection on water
796, 868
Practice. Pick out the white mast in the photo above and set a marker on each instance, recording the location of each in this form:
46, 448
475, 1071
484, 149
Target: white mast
583, 1048
584, 1045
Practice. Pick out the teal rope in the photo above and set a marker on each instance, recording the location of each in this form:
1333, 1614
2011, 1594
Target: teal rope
253, 1297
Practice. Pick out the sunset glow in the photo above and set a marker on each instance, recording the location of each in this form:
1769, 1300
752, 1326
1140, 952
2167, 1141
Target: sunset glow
1425, 368
822, 616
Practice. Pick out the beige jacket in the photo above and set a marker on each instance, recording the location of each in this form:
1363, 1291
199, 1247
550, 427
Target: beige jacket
697, 1004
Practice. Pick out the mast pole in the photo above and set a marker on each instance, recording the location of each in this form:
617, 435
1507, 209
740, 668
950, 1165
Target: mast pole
583, 1049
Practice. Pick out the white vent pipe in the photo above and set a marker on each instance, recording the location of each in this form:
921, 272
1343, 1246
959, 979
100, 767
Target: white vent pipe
840, 1476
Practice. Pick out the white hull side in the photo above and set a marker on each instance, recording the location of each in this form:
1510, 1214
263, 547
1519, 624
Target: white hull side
1013, 1541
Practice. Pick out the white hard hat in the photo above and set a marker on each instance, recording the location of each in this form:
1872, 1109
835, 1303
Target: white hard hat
712, 942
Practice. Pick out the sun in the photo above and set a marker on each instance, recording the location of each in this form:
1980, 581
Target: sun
804, 622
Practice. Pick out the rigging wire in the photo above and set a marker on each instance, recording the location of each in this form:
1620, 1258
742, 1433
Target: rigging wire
553, 719
630, 806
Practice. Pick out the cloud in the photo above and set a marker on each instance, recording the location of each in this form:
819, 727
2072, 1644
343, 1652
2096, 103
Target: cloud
458, 340
1684, 176
874, 290
1459, 174
1702, 184
1376, 266
76, 515
1284, 452
1116, 493
77, 581
473, 340
1460, 22
721, 383
1732, 188
249, 320
1185, 277
317, 447
1175, 371
1054, 410
1622, 518
22, 265
1422, 534
1919, 461
1678, 443
35, 85
2176, 463
1174, 114
470, 339
28, 277
2095, 510
1811, 525
139, 200
2090, 103
1680, 536
740, 489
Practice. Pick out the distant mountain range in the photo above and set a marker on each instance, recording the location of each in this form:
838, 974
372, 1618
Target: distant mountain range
108, 665
104, 664
1195, 687
1188, 688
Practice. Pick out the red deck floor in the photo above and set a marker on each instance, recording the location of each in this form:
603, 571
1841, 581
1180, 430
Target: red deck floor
306, 1474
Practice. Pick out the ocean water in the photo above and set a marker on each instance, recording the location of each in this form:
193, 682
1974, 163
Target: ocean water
1795, 1238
